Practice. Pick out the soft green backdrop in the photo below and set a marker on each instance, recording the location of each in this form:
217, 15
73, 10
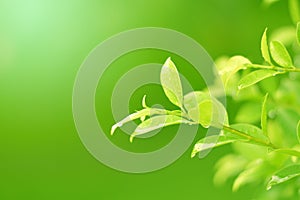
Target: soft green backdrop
42, 45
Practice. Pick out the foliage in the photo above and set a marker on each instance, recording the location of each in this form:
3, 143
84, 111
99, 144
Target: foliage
266, 146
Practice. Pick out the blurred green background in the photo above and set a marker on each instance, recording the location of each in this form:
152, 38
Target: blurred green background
43, 44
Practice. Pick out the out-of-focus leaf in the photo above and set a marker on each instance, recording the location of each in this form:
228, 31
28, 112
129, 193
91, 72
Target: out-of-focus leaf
298, 131
248, 113
254, 172
280, 55
171, 83
298, 33
157, 122
256, 76
286, 35
284, 175
265, 48
290, 152
288, 119
210, 142
264, 115
227, 167
205, 110
294, 10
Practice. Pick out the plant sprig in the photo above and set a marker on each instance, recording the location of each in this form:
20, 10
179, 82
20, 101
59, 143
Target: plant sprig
201, 108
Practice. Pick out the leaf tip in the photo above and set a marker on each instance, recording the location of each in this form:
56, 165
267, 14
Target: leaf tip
113, 128
131, 138
144, 102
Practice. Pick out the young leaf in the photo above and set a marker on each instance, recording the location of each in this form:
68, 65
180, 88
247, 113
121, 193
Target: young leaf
284, 175
256, 76
229, 68
139, 114
298, 33
211, 142
265, 48
264, 115
280, 55
157, 122
298, 131
171, 84
249, 130
205, 110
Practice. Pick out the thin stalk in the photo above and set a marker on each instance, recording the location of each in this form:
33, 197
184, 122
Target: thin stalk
255, 66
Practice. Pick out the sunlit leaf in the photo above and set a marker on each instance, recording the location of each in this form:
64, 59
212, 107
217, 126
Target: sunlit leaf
205, 110
250, 130
157, 122
211, 142
265, 48
284, 175
141, 114
256, 76
280, 55
264, 115
171, 84
231, 67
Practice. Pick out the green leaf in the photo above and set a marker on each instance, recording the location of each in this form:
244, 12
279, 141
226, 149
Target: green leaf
205, 110
227, 167
171, 84
264, 115
254, 172
298, 33
157, 122
298, 131
249, 130
211, 142
265, 48
284, 175
294, 10
280, 55
256, 76
139, 114
248, 112
231, 67
290, 152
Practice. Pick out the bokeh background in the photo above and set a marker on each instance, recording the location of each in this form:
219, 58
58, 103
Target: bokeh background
43, 44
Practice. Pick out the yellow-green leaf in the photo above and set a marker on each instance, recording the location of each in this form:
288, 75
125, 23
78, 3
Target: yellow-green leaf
157, 122
284, 175
256, 76
280, 55
211, 142
265, 48
171, 83
264, 115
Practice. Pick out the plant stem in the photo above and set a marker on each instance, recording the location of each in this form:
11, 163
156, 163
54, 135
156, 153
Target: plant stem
255, 66
242, 134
